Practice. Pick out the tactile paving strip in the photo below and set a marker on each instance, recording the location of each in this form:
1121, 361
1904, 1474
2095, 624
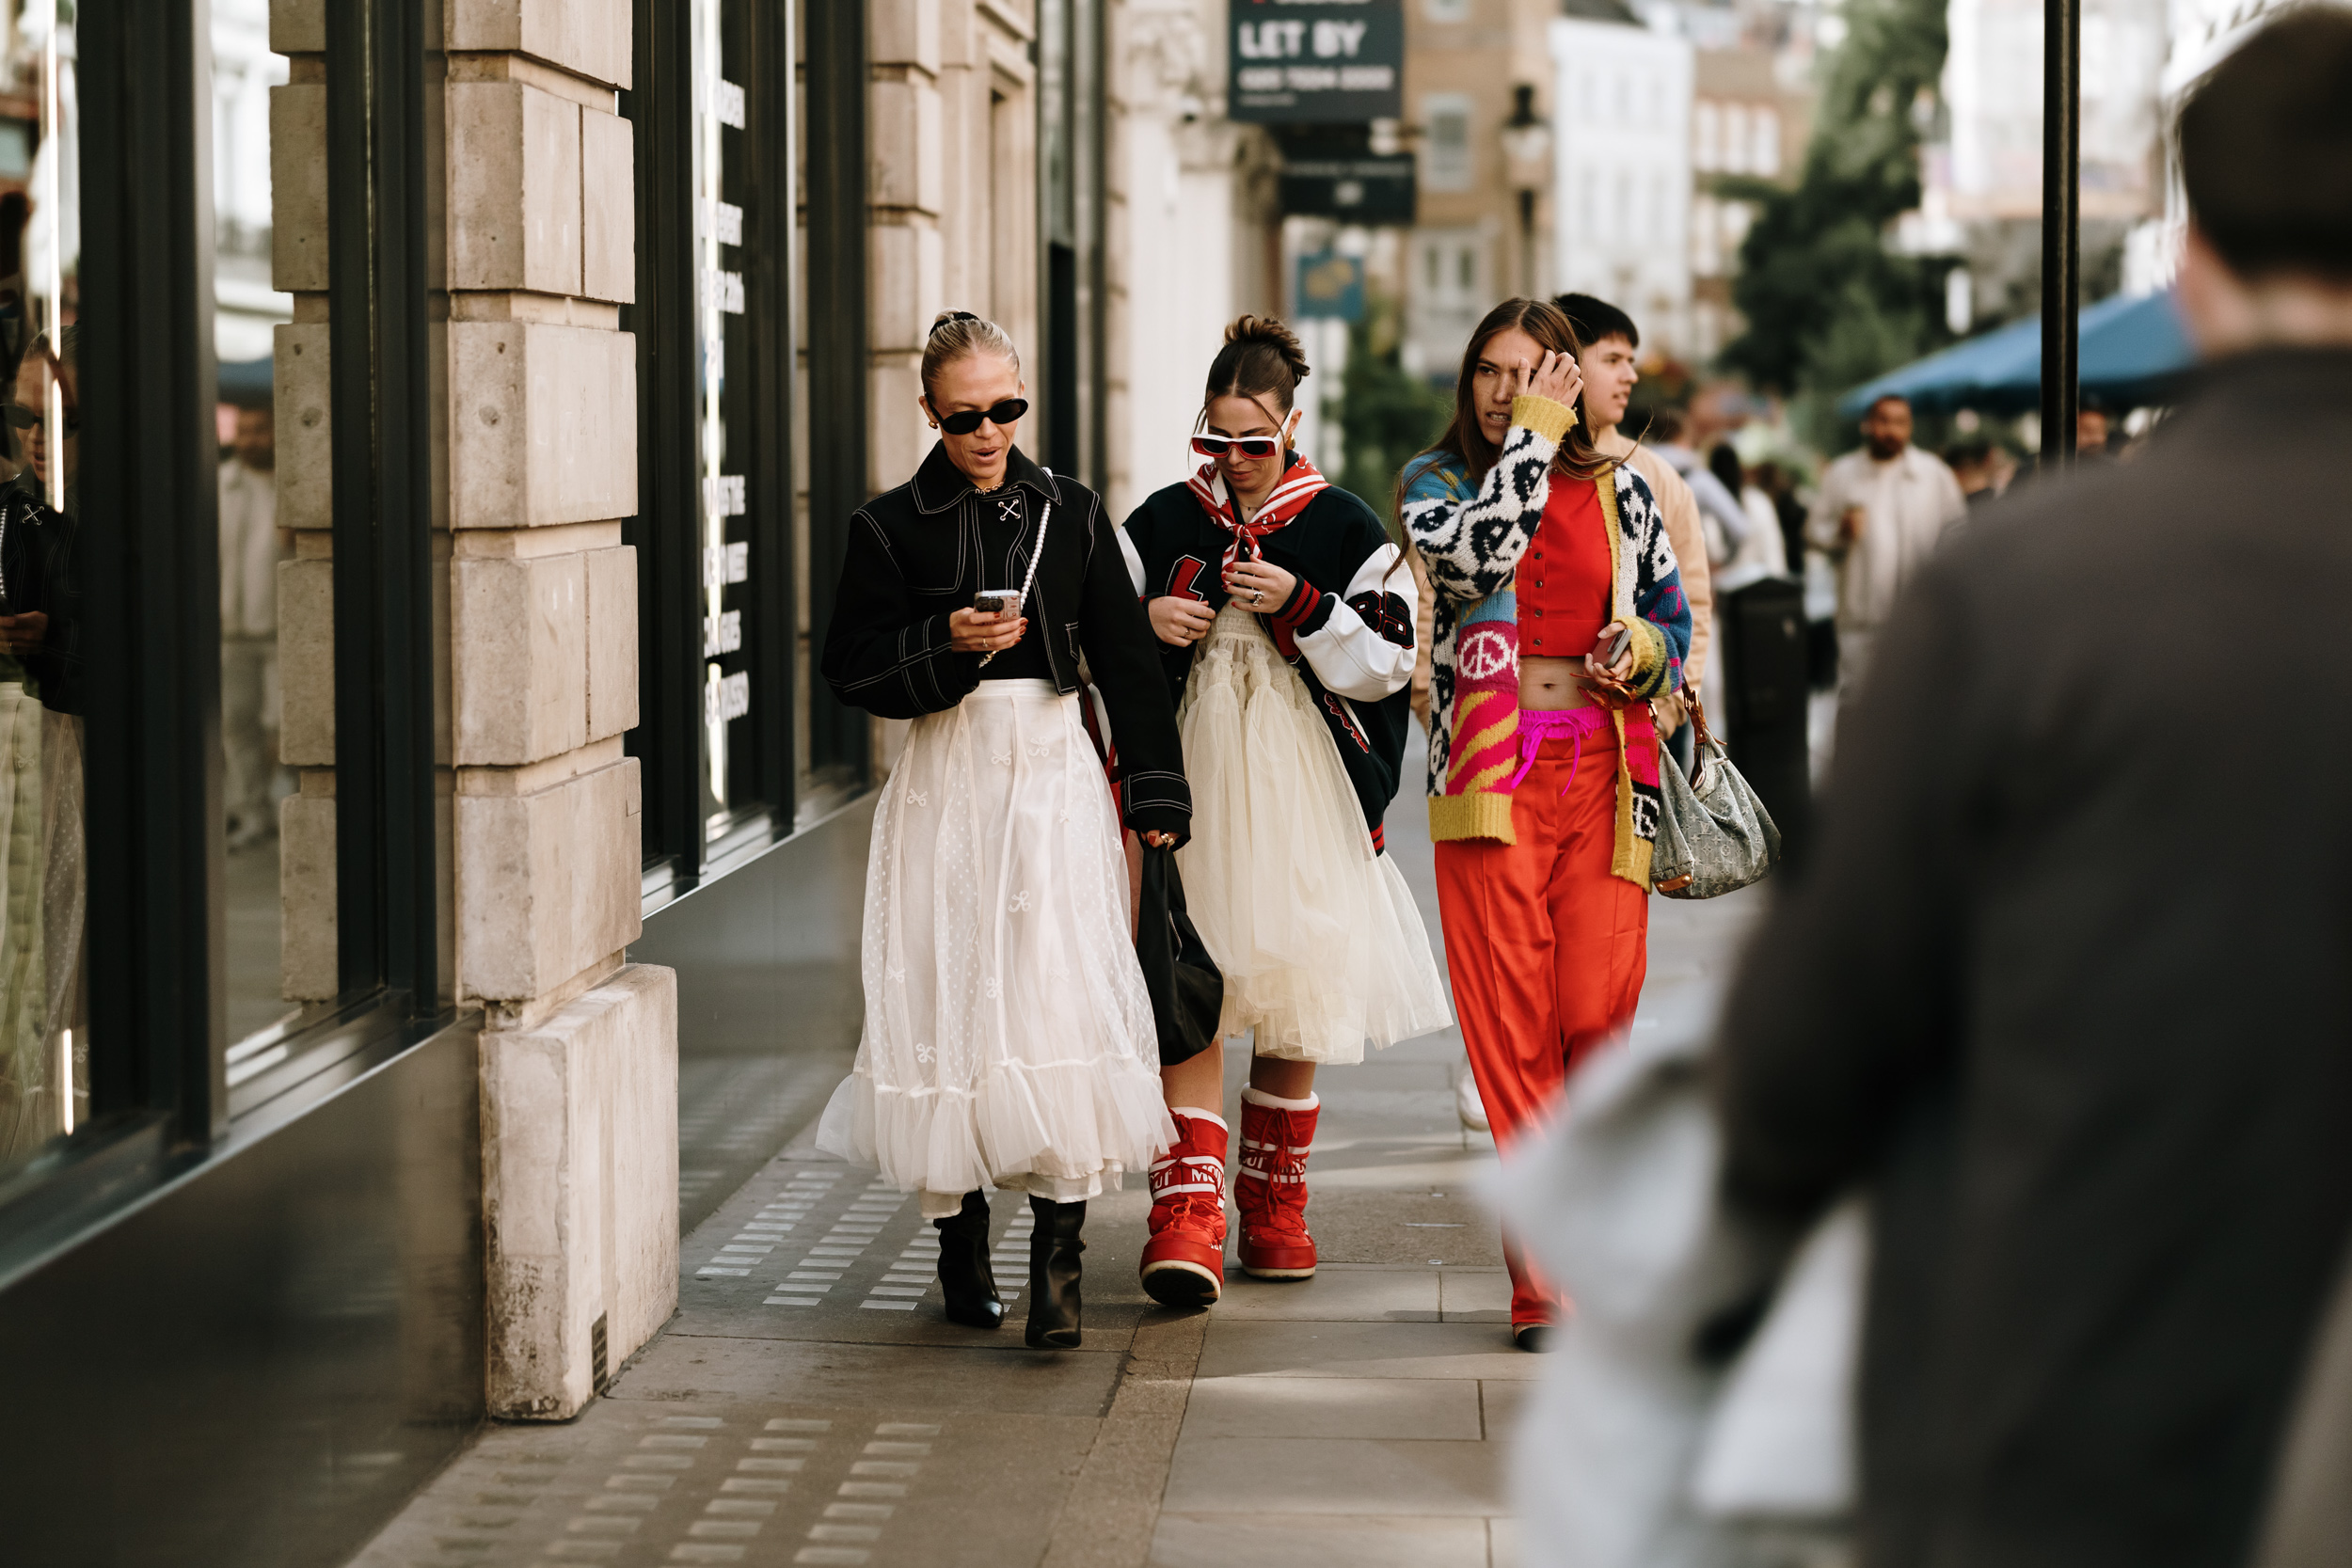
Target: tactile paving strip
630, 1485
823, 1238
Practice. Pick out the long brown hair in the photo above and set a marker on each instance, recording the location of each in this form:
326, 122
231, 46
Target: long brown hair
1465, 437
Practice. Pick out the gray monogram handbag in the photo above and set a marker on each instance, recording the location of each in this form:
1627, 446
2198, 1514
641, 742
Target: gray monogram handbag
1714, 835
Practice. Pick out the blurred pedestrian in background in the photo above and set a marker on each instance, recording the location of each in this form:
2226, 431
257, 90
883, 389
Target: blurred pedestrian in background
251, 546
1725, 520
1607, 343
2064, 987
1983, 469
1762, 553
1878, 516
1780, 486
2093, 430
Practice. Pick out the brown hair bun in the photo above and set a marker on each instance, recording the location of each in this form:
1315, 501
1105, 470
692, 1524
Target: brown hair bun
1261, 361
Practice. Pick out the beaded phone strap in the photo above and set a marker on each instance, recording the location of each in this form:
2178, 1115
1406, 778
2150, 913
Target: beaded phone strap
1028, 582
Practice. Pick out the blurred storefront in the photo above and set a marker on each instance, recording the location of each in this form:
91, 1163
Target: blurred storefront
434, 863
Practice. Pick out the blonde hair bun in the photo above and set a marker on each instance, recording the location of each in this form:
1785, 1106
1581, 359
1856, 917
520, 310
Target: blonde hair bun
959, 335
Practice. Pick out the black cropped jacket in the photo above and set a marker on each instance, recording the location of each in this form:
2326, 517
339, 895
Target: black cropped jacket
914, 556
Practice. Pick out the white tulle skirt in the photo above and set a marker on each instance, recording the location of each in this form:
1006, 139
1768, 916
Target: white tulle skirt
1009, 1040
1318, 937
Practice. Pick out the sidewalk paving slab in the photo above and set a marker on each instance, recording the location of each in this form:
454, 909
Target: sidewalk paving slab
810, 1406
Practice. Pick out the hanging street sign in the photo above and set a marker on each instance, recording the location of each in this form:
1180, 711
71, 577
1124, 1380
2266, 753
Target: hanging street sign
1315, 62
1330, 287
1375, 189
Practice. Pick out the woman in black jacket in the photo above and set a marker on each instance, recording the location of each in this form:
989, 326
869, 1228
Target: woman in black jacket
1008, 1040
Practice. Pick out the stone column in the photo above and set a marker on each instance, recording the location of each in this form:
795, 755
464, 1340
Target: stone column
537, 468
579, 1051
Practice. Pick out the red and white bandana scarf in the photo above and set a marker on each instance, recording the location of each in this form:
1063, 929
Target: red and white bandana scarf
1290, 496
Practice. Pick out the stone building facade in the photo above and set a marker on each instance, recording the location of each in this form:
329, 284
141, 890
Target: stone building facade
590, 322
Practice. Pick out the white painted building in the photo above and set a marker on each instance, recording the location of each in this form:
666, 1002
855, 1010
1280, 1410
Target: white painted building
1621, 172
2199, 33
1993, 91
247, 305
1190, 213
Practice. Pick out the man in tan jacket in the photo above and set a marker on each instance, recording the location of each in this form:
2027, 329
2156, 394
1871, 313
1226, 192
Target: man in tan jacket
1609, 340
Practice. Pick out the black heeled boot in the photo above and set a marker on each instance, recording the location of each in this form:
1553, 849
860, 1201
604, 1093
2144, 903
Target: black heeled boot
964, 1276
1053, 1249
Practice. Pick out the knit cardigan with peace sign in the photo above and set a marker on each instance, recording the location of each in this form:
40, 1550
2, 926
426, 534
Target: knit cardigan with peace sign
1471, 537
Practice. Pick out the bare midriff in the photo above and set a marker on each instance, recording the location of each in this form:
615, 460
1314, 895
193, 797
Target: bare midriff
1551, 684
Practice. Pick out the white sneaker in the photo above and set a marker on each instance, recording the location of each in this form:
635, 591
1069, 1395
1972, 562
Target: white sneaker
1467, 1104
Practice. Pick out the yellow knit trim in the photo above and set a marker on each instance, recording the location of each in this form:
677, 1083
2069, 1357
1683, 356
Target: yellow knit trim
1629, 856
1649, 653
1620, 595
1481, 815
1546, 418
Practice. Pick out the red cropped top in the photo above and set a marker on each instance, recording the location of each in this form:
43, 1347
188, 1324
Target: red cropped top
1564, 587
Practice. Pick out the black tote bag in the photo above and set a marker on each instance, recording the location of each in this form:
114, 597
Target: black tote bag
1187, 990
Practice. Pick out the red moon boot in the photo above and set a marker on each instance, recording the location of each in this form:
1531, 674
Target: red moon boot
1184, 1262
1271, 1187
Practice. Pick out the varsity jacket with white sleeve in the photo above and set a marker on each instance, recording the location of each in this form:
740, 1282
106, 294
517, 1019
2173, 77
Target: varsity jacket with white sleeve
1347, 628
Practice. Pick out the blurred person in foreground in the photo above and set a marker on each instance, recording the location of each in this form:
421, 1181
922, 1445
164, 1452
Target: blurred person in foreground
1878, 516
1609, 344
2063, 991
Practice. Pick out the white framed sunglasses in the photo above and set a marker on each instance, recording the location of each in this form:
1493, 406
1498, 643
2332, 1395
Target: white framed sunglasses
1247, 446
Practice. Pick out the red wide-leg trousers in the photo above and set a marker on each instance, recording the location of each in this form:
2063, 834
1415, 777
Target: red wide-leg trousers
1547, 951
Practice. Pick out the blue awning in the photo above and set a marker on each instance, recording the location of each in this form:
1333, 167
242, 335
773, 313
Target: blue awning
246, 382
2133, 352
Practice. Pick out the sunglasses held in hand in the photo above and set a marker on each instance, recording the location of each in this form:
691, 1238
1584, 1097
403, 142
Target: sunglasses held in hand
964, 422
1249, 446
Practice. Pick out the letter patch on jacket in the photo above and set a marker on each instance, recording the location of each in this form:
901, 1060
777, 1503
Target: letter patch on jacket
1181, 576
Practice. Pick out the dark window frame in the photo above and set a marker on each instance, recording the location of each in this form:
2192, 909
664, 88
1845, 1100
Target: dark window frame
838, 352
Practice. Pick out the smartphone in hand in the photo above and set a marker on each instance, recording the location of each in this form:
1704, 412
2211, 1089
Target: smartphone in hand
996, 601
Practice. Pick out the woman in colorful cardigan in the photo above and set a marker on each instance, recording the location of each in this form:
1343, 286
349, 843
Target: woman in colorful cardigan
1560, 616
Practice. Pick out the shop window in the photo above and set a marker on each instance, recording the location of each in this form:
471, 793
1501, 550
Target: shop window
45, 1014
248, 309
1765, 127
721, 666
1446, 160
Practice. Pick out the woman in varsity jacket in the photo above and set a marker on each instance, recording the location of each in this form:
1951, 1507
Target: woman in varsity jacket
1009, 1040
1286, 623
1560, 617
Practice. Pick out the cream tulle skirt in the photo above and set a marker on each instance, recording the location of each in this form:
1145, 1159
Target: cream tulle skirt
1318, 937
1009, 1040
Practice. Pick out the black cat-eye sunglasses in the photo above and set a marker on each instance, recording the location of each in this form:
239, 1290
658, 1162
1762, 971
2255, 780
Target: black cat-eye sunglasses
1006, 413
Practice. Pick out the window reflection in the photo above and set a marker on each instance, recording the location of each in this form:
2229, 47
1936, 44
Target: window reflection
44, 1043
246, 310
731, 787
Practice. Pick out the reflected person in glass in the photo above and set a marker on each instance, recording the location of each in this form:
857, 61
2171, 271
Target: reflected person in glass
43, 1040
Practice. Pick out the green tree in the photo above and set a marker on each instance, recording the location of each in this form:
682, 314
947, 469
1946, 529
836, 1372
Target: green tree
1827, 305
1385, 414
